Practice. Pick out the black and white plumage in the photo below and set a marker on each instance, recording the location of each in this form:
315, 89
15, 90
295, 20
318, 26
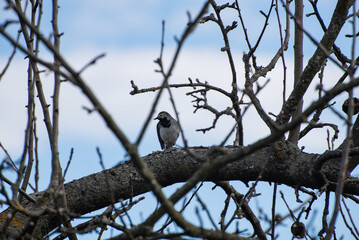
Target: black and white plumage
167, 130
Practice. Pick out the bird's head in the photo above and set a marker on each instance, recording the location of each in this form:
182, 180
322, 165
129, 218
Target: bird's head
163, 116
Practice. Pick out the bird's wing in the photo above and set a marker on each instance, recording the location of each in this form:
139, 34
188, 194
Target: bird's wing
159, 136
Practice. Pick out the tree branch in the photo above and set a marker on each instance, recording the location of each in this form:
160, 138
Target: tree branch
91, 192
316, 61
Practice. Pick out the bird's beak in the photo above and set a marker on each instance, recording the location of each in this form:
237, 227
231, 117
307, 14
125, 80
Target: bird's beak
155, 118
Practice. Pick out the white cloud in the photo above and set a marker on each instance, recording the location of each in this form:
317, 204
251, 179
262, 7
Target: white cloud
93, 28
110, 80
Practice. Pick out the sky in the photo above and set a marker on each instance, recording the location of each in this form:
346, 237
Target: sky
129, 33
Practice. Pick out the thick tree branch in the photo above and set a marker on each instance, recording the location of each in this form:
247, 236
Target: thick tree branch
91, 192
270, 159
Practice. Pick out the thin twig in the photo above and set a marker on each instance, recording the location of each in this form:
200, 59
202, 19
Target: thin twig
350, 218
92, 62
2, 73
273, 211
68, 163
347, 224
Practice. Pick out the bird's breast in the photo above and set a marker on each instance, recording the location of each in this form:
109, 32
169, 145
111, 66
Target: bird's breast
168, 134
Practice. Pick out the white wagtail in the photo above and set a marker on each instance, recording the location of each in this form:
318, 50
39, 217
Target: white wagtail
167, 130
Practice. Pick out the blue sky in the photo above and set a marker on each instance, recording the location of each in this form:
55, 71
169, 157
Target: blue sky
129, 32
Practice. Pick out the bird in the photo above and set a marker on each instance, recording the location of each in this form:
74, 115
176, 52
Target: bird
345, 106
167, 130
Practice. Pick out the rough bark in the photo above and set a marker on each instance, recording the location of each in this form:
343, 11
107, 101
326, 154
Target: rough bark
284, 165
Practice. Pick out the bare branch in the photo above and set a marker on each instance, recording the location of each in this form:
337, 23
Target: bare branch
316, 61
92, 62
